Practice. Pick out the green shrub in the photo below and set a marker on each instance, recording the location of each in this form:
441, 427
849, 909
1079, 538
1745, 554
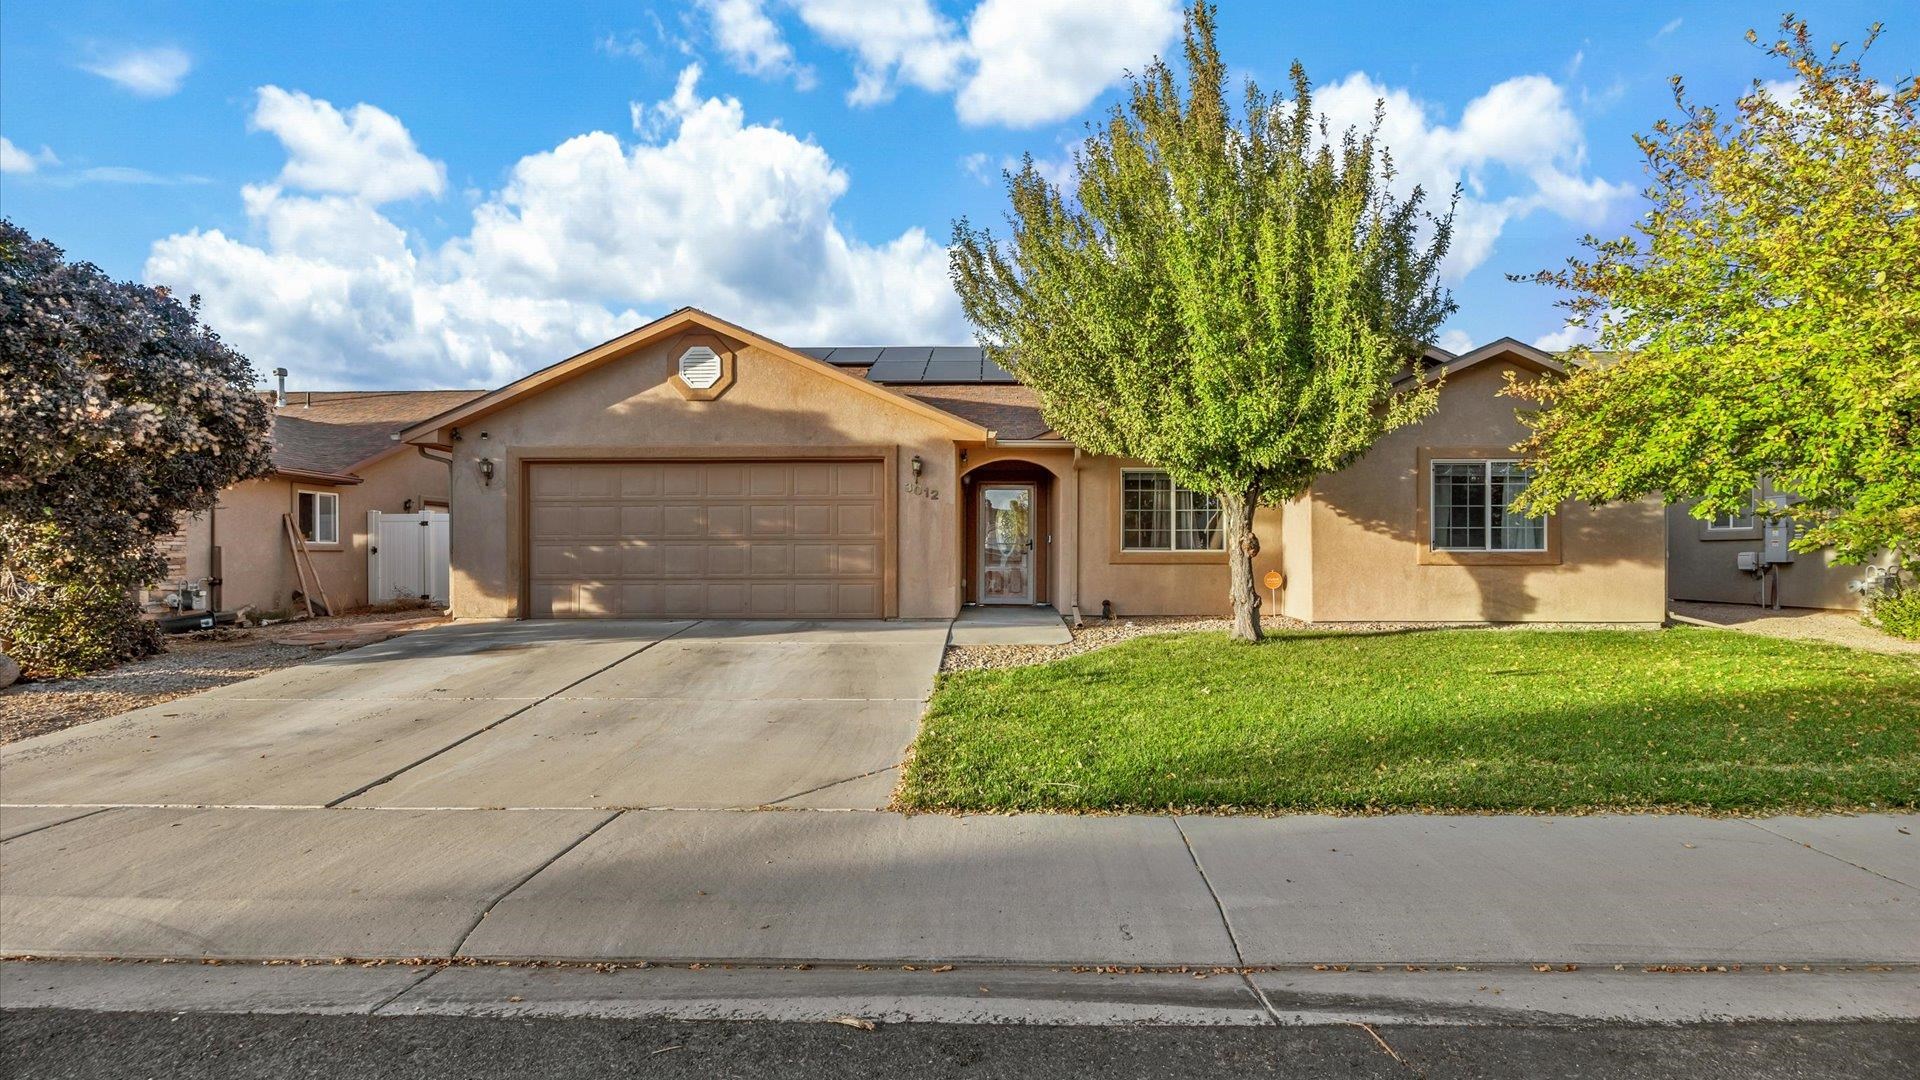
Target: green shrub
71, 630
1899, 613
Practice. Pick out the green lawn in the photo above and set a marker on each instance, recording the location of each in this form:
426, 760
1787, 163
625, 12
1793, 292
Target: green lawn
1441, 719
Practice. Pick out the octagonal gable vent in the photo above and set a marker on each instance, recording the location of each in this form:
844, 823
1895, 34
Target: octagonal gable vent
700, 367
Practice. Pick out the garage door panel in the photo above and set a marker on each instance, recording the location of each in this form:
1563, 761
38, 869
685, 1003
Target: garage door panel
861, 560
637, 480
856, 479
726, 521
641, 559
644, 521
811, 478
680, 479
812, 560
812, 599
719, 539
856, 520
770, 560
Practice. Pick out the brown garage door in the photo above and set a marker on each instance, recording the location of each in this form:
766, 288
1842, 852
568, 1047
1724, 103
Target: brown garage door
713, 539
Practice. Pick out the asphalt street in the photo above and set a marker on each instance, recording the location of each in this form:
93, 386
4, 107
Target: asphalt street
47, 1044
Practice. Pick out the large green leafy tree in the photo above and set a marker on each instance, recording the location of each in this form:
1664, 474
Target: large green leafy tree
120, 413
1229, 297
1763, 317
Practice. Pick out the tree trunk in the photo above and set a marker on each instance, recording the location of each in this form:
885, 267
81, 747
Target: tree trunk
1242, 546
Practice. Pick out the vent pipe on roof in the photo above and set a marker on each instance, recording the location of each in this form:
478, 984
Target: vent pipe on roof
280, 391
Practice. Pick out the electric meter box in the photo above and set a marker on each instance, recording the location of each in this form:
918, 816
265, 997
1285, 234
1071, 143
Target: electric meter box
1748, 561
1779, 534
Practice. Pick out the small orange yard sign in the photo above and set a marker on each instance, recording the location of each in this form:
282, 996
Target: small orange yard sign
1274, 581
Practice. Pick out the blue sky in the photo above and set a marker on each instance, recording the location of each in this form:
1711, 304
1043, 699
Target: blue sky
436, 194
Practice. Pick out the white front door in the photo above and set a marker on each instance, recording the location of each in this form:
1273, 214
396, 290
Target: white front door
1006, 543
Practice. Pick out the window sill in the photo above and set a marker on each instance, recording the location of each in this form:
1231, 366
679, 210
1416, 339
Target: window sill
1124, 557
315, 545
1430, 557
1747, 535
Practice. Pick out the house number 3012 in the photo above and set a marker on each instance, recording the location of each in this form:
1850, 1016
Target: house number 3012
915, 487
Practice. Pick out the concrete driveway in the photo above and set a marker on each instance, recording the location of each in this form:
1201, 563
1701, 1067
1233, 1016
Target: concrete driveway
523, 715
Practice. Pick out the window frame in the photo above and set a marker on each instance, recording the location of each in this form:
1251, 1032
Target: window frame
1745, 523
315, 541
1486, 465
1173, 511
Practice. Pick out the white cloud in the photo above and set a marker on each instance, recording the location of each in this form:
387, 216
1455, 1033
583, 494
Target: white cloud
15, 160
1517, 149
583, 241
1667, 29
363, 152
905, 41
1563, 339
156, 72
1045, 60
752, 41
1018, 63
1455, 341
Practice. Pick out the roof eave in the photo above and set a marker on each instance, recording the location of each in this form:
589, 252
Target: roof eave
316, 476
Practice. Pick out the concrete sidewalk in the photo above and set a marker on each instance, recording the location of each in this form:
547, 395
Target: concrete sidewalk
869, 887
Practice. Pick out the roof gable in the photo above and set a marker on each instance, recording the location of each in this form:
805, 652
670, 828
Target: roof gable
1511, 350
660, 329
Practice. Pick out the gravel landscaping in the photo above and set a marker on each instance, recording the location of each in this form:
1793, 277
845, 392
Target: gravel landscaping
1100, 633
192, 663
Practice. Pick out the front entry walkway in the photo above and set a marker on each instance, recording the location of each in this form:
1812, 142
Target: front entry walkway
1009, 624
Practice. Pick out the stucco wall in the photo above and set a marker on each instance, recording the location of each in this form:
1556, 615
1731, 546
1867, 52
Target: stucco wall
1702, 567
257, 569
1151, 583
627, 407
1367, 537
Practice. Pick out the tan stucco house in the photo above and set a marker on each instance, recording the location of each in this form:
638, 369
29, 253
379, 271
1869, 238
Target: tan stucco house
695, 468
334, 458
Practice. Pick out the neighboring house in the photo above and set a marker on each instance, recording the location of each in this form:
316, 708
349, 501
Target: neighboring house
335, 458
1704, 560
695, 468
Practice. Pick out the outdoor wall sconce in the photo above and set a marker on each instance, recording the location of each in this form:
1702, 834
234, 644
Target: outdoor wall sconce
406, 506
486, 471
917, 466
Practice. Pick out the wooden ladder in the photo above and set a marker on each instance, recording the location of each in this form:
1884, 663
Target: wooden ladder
303, 565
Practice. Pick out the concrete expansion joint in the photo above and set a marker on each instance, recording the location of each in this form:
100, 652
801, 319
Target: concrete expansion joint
529, 876
1226, 924
1821, 851
364, 788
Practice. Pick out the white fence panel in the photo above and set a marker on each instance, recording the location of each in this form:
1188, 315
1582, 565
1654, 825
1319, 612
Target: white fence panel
407, 556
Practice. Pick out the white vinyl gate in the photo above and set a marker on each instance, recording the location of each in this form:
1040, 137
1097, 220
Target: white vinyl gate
407, 556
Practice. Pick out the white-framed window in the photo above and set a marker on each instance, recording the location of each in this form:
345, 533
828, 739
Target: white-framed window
1469, 508
318, 515
1732, 521
1157, 514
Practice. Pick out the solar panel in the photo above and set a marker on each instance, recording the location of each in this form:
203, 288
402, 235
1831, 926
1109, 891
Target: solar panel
898, 371
954, 371
855, 356
916, 364
818, 352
